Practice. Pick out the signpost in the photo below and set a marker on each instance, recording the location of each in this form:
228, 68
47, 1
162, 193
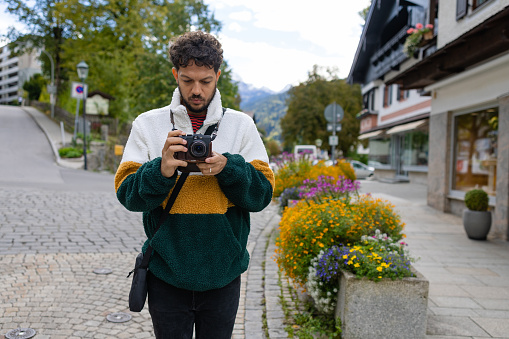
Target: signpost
77, 92
333, 114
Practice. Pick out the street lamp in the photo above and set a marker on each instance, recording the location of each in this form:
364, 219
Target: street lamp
82, 74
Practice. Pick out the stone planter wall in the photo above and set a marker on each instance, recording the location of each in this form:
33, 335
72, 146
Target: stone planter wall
386, 309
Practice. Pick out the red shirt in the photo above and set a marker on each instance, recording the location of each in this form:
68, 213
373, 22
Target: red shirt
196, 121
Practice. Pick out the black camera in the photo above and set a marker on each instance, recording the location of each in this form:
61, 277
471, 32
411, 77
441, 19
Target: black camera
199, 148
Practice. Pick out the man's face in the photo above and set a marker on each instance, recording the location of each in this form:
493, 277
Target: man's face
197, 86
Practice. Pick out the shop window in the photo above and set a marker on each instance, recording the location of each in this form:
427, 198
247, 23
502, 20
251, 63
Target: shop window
475, 154
379, 152
416, 149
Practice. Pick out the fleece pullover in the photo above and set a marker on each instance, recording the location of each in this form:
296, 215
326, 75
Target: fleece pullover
202, 244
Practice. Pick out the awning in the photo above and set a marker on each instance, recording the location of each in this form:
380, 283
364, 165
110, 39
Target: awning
406, 127
370, 135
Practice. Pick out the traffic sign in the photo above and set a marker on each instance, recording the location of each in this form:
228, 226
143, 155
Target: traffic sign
333, 140
331, 109
78, 90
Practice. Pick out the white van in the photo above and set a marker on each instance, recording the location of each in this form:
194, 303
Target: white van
309, 151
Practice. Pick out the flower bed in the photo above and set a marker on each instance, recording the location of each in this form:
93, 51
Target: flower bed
332, 233
311, 226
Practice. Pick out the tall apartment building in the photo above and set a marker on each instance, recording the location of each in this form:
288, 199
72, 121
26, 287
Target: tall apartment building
14, 71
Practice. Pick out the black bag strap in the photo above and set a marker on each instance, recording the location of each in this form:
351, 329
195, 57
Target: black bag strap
180, 182
164, 215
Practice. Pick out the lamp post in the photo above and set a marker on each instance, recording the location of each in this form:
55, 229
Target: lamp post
53, 89
82, 74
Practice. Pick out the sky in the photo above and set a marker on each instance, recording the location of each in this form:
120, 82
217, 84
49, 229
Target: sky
275, 43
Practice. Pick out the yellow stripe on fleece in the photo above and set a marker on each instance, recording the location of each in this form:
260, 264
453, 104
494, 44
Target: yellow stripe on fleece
200, 195
124, 170
263, 167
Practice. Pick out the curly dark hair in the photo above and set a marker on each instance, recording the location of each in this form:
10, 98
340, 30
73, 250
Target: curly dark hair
200, 47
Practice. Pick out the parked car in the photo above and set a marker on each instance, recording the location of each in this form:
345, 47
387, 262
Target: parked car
362, 171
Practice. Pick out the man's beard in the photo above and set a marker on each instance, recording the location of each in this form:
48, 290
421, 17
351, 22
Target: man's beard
201, 109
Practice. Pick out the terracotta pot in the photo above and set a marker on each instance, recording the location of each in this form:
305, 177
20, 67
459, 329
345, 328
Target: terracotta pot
427, 35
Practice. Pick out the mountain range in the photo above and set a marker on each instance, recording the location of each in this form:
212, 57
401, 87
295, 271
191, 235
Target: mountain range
267, 106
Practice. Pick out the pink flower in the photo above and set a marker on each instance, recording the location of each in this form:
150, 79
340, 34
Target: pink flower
410, 31
430, 26
418, 26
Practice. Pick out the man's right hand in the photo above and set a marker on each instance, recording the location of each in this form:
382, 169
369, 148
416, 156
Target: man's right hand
173, 144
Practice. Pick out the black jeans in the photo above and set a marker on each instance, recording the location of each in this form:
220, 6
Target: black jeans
174, 311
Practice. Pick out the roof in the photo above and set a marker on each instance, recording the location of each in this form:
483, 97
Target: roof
104, 95
379, 40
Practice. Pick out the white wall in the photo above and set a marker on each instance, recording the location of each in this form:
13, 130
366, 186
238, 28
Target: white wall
478, 86
449, 29
397, 106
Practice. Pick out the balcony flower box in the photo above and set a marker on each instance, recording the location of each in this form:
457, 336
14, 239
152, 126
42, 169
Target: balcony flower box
384, 309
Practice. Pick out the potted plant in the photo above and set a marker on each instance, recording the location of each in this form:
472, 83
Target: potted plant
416, 36
477, 218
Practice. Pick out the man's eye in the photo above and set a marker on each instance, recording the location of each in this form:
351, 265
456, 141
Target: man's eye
187, 81
206, 82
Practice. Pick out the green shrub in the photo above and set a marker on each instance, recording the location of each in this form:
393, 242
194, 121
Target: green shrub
477, 200
70, 152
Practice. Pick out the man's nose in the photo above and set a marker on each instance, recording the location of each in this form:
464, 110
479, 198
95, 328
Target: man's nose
196, 90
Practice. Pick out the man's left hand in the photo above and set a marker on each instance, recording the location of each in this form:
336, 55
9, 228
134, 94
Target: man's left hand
213, 165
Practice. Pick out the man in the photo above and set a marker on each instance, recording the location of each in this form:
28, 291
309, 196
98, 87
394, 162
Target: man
200, 250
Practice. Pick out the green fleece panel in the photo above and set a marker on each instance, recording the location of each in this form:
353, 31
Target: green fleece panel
198, 252
147, 188
244, 185
207, 251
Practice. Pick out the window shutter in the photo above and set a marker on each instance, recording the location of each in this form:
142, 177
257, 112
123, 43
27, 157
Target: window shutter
461, 8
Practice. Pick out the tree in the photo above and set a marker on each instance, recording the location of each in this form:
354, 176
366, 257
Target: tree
364, 14
48, 28
34, 86
304, 121
124, 42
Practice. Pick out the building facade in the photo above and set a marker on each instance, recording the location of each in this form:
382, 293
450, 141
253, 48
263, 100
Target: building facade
394, 121
14, 71
464, 71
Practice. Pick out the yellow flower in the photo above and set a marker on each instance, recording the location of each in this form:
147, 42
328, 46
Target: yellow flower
345, 256
379, 269
350, 262
356, 265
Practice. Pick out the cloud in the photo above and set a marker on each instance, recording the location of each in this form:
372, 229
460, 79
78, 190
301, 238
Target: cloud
234, 26
241, 16
284, 39
333, 25
261, 64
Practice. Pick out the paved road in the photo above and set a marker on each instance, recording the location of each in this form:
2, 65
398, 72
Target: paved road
57, 225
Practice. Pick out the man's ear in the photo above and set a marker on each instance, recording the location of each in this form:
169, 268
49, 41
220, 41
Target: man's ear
175, 74
218, 74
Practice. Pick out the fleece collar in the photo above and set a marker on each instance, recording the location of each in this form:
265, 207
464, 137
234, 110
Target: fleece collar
214, 111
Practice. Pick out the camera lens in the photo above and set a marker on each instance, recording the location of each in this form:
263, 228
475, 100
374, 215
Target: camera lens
198, 149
